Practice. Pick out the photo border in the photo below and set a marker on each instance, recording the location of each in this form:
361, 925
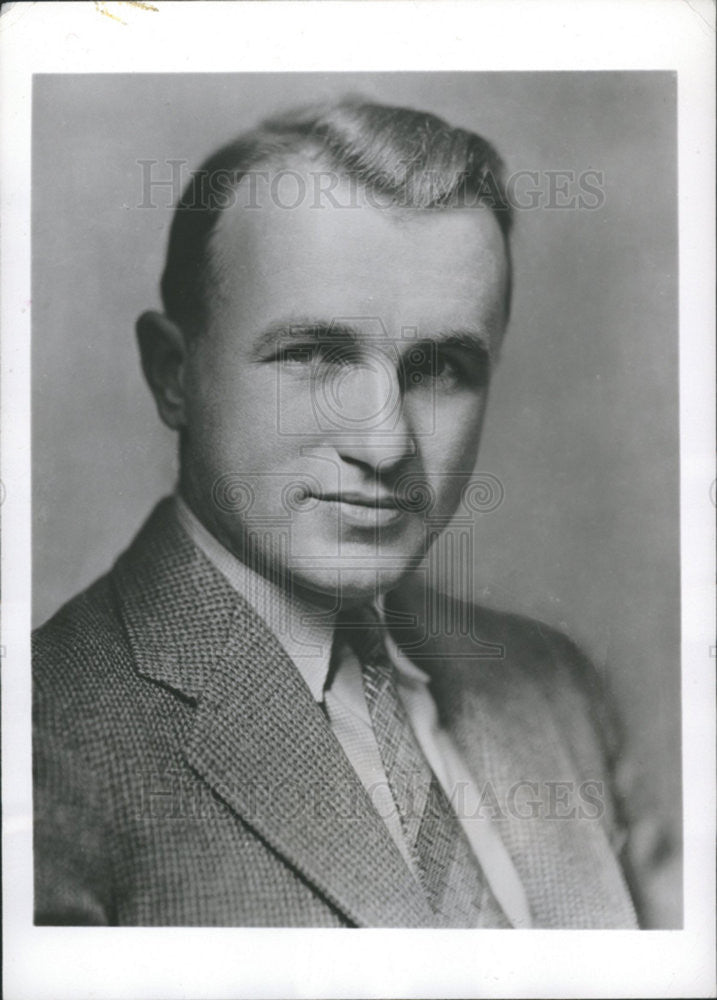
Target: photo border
338, 36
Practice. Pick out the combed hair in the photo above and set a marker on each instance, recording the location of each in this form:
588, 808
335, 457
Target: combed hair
413, 159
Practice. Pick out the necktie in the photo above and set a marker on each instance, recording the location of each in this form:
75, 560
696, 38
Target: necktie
451, 877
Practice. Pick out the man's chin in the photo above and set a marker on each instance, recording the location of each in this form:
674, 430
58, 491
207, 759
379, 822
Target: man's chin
342, 585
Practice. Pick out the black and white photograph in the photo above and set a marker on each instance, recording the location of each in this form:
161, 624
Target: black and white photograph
357, 574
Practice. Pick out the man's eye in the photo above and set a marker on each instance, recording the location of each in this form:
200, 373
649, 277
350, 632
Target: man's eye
314, 354
446, 368
426, 364
291, 356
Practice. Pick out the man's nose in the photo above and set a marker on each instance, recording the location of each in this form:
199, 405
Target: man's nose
366, 408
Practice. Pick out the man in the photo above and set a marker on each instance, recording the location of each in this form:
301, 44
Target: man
252, 719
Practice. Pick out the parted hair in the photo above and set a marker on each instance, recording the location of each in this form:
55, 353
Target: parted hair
412, 159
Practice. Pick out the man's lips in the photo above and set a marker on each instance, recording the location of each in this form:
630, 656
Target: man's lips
385, 500
362, 510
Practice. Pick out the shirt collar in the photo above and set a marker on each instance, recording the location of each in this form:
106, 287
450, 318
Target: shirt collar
306, 638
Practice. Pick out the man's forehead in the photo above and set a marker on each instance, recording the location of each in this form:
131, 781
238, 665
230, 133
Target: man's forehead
431, 268
309, 199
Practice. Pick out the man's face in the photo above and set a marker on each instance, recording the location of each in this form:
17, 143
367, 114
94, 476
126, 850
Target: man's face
334, 401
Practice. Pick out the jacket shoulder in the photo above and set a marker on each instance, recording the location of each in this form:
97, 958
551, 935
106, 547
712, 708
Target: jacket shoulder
84, 637
555, 660
542, 657
513, 660
84, 650
544, 668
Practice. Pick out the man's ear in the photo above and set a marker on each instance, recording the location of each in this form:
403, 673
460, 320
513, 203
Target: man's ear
164, 353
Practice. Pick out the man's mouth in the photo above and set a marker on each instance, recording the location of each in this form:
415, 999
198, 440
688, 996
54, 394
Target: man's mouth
382, 500
371, 510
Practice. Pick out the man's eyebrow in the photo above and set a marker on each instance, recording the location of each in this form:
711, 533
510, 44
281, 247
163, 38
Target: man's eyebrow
284, 332
475, 341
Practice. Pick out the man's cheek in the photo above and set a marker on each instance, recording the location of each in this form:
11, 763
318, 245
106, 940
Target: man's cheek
451, 455
295, 408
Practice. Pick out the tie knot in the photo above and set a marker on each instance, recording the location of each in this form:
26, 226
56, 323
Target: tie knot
364, 632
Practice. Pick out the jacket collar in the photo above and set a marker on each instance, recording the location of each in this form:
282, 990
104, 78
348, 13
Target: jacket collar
306, 635
176, 608
259, 739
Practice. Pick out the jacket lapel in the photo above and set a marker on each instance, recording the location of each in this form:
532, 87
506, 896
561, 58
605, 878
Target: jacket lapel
259, 739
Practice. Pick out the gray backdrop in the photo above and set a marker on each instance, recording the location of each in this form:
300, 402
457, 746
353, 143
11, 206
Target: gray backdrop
582, 427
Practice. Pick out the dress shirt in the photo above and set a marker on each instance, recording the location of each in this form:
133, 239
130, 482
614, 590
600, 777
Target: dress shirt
308, 638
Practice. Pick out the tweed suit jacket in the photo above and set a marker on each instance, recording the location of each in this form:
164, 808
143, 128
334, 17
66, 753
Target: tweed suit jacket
184, 775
